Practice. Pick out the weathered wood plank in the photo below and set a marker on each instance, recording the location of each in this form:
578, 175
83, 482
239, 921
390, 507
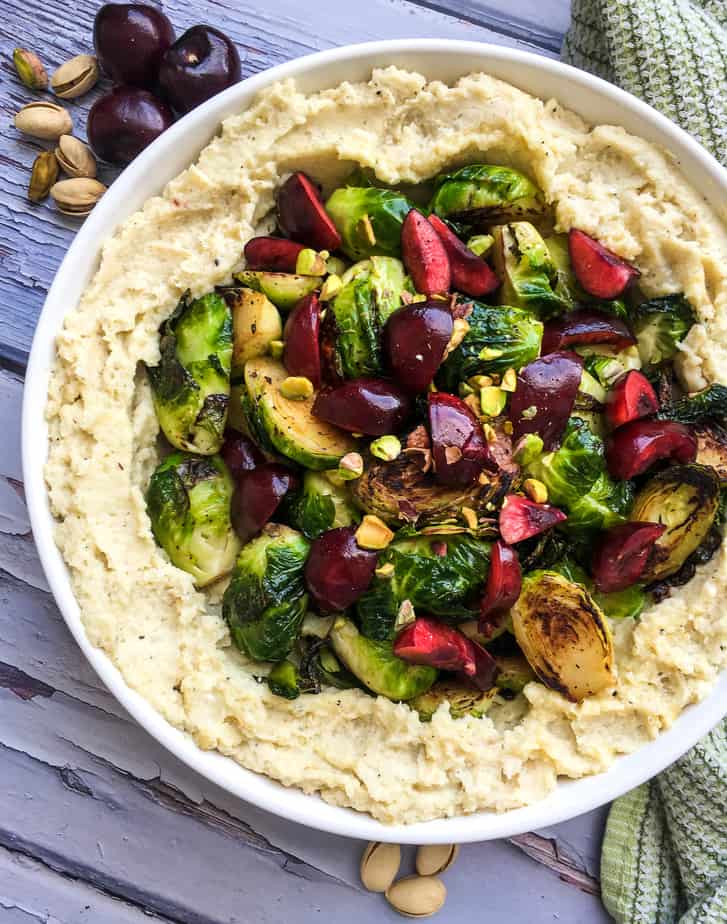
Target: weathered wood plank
35, 237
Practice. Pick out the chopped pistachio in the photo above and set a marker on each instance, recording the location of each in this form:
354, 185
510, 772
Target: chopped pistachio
535, 490
490, 353
405, 616
367, 229
465, 389
335, 266
470, 517
310, 263
492, 400
509, 380
330, 288
473, 403
373, 533
483, 478
508, 428
452, 454
490, 433
527, 449
351, 466
296, 388
276, 348
481, 244
480, 381
460, 329
418, 297
385, 571
387, 448
530, 412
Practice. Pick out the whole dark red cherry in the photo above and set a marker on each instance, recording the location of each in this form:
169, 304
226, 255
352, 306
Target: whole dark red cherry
199, 64
123, 122
130, 39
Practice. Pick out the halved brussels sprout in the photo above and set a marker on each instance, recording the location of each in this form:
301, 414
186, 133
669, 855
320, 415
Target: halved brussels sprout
499, 338
462, 698
529, 276
436, 574
660, 324
484, 193
708, 404
606, 364
320, 506
376, 665
279, 424
620, 604
684, 498
265, 602
514, 672
369, 220
283, 289
255, 323
355, 319
400, 492
191, 385
564, 635
188, 501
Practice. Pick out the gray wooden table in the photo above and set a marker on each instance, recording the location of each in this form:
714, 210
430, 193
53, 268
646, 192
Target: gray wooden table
97, 822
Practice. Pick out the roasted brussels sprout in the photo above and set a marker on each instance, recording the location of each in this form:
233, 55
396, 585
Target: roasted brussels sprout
684, 498
369, 220
660, 324
606, 504
376, 665
321, 505
529, 276
283, 289
322, 668
621, 604
400, 492
514, 672
564, 635
265, 602
462, 698
191, 385
708, 404
606, 366
499, 338
481, 194
284, 680
279, 424
436, 574
188, 501
353, 325
255, 323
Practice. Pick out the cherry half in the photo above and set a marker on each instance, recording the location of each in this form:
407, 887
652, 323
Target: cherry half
631, 398
365, 405
424, 255
544, 397
599, 271
201, 63
433, 643
620, 557
276, 254
521, 518
459, 445
302, 215
338, 571
256, 497
301, 353
504, 581
415, 340
470, 273
635, 447
586, 325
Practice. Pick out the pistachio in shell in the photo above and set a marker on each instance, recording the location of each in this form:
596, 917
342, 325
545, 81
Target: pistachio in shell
30, 69
44, 120
43, 176
75, 157
433, 859
379, 865
417, 896
75, 77
77, 196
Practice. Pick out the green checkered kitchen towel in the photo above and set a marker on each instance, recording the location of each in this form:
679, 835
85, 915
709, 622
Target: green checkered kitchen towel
664, 857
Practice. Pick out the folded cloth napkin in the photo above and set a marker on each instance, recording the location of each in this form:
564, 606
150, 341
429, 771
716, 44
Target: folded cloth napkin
664, 855
671, 53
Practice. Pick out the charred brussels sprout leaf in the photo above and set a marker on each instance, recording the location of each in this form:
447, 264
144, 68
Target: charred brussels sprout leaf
322, 668
484, 193
622, 604
564, 635
659, 325
499, 338
685, 499
462, 698
369, 220
529, 275
708, 404
712, 448
433, 583
265, 602
376, 665
354, 321
606, 504
320, 506
191, 384
188, 501
513, 672
284, 680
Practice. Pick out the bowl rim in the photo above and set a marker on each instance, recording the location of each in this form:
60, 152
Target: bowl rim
571, 797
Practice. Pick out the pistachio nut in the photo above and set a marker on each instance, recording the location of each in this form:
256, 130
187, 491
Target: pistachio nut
417, 896
433, 859
296, 388
379, 866
75, 77
43, 176
75, 157
77, 196
44, 120
351, 466
30, 69
373, 533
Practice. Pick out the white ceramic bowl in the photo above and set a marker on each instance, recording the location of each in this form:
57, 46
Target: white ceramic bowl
596, 101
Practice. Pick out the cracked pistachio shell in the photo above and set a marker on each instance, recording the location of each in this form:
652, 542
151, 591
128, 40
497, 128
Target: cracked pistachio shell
379, 865
433, 859
77, 196
44, 120
75, 77
30, 69
43, 176
417, 896
75, 157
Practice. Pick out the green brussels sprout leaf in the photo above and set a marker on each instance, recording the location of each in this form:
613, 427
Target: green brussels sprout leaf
481, 194
659, 325
369, 220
